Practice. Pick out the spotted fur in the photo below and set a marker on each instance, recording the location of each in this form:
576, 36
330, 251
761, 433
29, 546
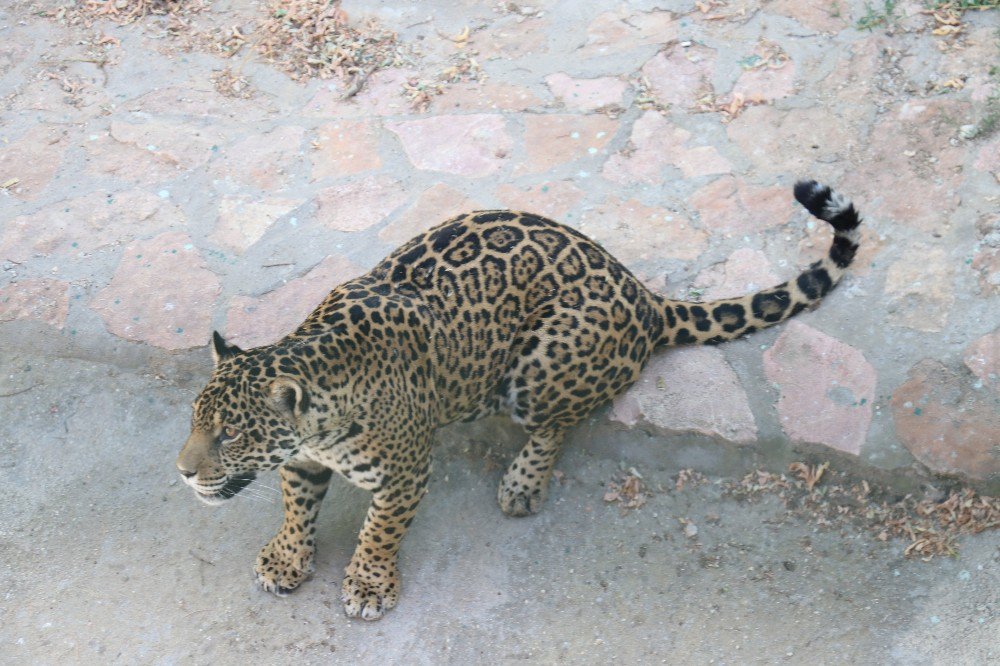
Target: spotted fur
494, 311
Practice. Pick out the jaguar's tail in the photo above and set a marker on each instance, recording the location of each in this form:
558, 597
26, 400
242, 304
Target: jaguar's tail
712, 322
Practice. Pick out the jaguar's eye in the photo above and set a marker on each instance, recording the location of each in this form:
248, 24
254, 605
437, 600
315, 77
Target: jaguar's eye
230, 434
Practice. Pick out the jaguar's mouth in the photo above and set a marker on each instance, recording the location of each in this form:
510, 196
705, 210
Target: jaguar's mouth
229, 490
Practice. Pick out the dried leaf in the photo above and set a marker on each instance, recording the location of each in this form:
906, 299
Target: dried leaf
946, 30
809, 475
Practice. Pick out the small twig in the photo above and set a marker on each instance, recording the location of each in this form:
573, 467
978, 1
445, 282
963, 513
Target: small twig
357, 83
102, 62
200, 558
94, 61
284, 263
24, 390
426, 20
460, 38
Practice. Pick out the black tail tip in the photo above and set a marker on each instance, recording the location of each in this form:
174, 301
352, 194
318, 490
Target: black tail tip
812, 195
827, 205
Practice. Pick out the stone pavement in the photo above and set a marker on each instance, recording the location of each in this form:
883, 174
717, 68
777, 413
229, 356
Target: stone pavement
140, 204
141, 209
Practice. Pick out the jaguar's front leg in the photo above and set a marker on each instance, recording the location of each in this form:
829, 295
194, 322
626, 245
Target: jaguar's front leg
371, 584
287, 559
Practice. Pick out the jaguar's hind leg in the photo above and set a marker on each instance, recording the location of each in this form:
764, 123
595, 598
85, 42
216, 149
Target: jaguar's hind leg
525, 484
555, 382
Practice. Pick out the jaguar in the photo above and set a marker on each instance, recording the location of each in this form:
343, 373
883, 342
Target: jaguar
490, 312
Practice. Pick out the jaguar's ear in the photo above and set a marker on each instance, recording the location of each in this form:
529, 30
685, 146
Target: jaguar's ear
221, 350
288, 397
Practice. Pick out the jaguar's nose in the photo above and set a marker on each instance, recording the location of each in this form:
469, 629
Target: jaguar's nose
193, 453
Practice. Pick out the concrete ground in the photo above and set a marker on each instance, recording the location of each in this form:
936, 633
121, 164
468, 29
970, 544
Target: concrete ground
108, 559
152, 191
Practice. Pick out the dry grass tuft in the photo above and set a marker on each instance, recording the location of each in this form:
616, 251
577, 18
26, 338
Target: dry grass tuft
628, 491
312, 38
124, 12
931, 526
304, 38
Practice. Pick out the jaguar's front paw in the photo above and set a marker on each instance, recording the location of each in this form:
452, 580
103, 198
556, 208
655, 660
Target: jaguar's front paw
281, 568
369, 598
520, 497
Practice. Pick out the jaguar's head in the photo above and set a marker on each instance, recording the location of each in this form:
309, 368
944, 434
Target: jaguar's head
244, 421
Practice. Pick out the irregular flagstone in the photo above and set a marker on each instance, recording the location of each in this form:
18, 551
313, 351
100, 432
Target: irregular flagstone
472, 145
613, 32
357, 205
513, 39
194, 101
434, 206
262, 161
554, 199
729, 205
484, 96
252, 321
656, 143
587, 94
826, 386
162, 294
766, 83
46, 100
125, 162
679, 75
701, 161
344, 148
948, 425
651, 143
40, 299
173, 143
979, 46
32, 160
982, 357
12, 51
689, 390
819, 15
854, 78
380, 96
912, 165
552, 140
986, 262
986, 255
920, 291
85, 224
795, 140
634, 232
988, 159
242, 222
743, 272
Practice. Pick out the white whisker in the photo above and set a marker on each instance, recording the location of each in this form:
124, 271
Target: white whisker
262, 497
255, 498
